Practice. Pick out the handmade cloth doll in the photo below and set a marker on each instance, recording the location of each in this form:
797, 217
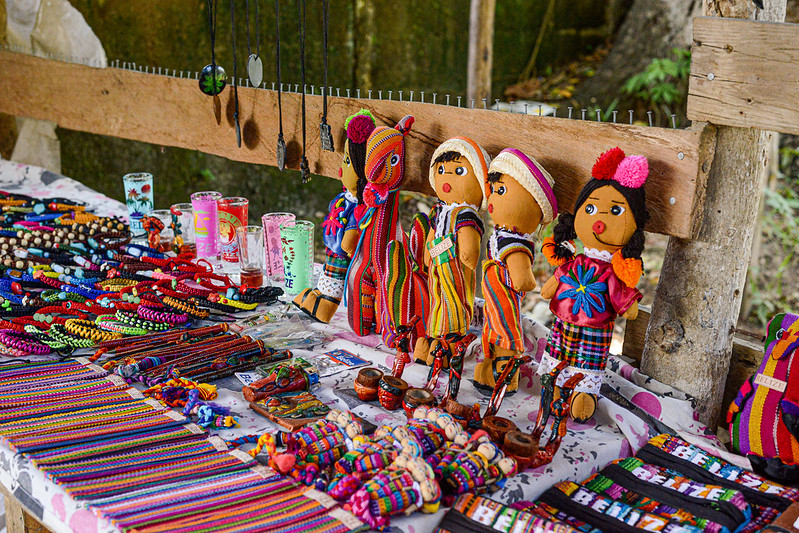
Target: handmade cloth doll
368, 284
590, 289
520, 199
341, 225
457, 174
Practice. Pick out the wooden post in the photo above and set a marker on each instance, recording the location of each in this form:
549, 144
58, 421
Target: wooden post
698, 298
481, 50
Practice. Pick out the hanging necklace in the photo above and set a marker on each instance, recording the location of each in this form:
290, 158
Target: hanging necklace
324, 127
280, 152
213, 77
235, 85
304, 170
255, 67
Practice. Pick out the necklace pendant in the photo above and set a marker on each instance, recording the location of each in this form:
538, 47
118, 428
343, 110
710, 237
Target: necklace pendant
255, 70
327, 136
238, 129
305, 170
212, 83
281, 153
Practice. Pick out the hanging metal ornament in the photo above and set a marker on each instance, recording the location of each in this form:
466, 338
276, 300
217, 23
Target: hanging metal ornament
304, 167
255, 67
235, 85
280, 151
213, 77
324, 128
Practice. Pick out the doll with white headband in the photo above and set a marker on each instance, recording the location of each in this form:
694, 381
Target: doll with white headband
590, 289
452, 251
520, 199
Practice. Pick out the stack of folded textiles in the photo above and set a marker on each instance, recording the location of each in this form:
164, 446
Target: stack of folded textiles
670, 486
143, 466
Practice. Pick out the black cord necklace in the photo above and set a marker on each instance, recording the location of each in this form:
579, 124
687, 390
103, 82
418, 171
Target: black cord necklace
235, 85
324, 127
255, 67
304, 168
280, 152
213, 77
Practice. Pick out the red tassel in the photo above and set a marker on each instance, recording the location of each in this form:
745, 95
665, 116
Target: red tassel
606, 164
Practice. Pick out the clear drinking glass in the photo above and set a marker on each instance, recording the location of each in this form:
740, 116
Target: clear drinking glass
139, 199
232, 215
274, 250
250, 241
297, 240
183, 228
206, 223
166, 235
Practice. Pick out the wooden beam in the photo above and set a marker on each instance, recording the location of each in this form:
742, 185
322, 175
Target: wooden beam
745, 74
173, 112
698, 298
481, 50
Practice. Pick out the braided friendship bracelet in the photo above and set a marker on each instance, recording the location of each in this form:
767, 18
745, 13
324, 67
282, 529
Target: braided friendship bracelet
162, 315
110, 323
134, 320
189, 307
23, 342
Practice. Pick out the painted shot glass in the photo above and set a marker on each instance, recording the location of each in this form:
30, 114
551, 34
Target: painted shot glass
250, 241
206, 223
232, 215
274, 249
297, 239
139, 199
183, 228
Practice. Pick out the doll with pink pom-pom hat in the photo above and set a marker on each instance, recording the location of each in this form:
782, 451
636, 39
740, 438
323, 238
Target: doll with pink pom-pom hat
340, 227
588, 290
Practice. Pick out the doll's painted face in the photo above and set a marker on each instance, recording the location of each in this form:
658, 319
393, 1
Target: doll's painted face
605, 221
456, 182
512, 207
347, 171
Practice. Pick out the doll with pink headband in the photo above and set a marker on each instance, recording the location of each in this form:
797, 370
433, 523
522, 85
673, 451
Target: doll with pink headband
590, 289
520, 200
341, 226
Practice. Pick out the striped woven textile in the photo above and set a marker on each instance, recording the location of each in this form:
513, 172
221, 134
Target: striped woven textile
143, 466
502, 324
764, 417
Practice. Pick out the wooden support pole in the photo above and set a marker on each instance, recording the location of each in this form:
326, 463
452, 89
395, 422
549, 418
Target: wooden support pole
698, 298
481, 50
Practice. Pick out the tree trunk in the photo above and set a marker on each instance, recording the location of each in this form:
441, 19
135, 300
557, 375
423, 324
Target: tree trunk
651, 30
481, 49
698, 298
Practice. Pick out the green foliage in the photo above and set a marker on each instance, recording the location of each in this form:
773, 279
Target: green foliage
663, 80
773, 288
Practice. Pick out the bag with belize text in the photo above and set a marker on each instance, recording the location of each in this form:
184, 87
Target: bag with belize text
764, 417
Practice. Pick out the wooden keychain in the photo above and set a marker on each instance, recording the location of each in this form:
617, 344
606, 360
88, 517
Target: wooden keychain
235, 70
213, 77
255, 67
304, 168
280, 151
324, 127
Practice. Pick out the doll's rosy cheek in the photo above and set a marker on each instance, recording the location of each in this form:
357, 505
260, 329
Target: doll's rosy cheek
340, 173
446, 187
490, 208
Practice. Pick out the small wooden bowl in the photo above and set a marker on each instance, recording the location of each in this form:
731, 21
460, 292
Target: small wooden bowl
391, 392
415, 397
497, 427
367, 384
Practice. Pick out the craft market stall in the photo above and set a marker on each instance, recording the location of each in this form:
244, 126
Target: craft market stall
185, 369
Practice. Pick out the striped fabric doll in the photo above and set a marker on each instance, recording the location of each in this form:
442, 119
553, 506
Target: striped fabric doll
341, 225
520, 199
452, 251
590, 289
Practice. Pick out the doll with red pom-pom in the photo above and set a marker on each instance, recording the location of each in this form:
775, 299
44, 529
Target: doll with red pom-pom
588, 290
341, 230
